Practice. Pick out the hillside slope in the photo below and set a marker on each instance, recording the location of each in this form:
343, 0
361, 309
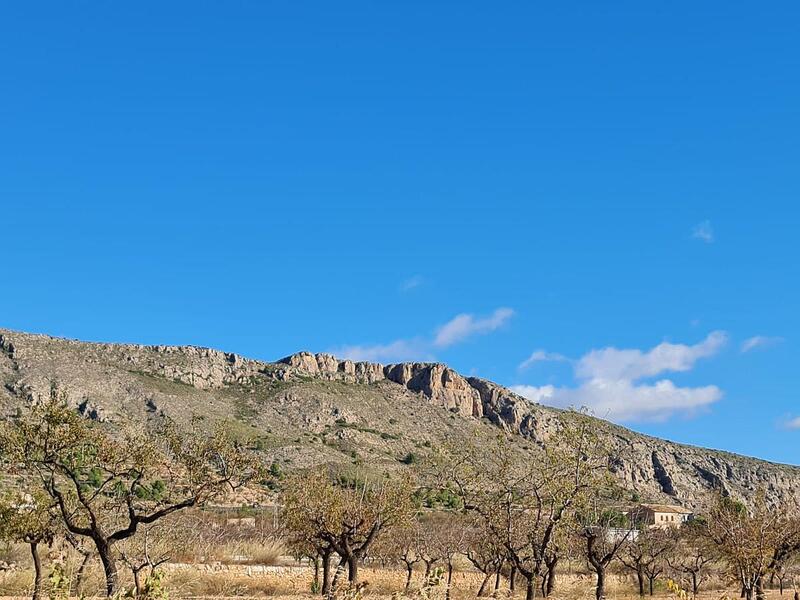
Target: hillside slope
307, 409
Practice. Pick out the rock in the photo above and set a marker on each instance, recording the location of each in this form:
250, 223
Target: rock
327, 366
440, 384
92, 411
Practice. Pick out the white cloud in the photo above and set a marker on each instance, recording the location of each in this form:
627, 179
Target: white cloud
791, 423
411, 283
465, 325
625, 400
703, 231
611, 363
542, 356
422, 348
397, 351
610, 382
534, 393
759, 342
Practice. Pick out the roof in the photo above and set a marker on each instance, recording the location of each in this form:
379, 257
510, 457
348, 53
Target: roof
667, 508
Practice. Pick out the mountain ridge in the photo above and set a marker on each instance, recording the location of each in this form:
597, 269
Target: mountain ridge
315, 407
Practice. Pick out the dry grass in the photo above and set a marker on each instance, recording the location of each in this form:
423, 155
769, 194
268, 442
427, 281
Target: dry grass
14, 553
231, 552
293, 582
16, 583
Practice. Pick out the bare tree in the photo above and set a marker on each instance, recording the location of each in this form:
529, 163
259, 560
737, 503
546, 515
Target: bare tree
693, 556
147, 551
451, 540
564, 546
486, 553
646, 555
605, 532
428, 547
403, 546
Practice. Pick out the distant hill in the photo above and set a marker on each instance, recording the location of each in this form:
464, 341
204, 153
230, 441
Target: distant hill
308, 409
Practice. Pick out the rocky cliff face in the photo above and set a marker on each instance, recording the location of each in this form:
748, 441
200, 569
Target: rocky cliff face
315, 407
438, 383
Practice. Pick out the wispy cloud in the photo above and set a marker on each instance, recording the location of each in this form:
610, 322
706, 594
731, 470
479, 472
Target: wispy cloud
542, 356
633, 364
466, 325
456, 330
759, 342
704, 232
791, 423
610, 382
411, 283
396, 351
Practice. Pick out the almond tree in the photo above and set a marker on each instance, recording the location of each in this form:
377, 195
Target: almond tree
605, 532
320, 553
752, 539
486, 554
403, 546
451, 540
146, 552
525, 499
347, 514
564, 546
658, 545
105, 487
84, 550
646, 555
694, 555
30, 519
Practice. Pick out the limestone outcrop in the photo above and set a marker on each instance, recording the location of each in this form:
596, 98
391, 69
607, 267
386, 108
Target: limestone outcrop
440, 384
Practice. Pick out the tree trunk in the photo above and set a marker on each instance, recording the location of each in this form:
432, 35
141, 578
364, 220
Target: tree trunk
498, 576
640, 580
336, 576
137, 582
551, 577
352, 569
530, 588
695, 584
512, 579
326, 572
409, 575
80, 573
600, 590
484, 583
449, 579
315, 583
109, 566
651, 581
37, 571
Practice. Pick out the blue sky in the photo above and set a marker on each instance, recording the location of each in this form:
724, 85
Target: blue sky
593, 202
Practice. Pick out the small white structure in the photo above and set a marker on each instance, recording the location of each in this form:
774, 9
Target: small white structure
660, 516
